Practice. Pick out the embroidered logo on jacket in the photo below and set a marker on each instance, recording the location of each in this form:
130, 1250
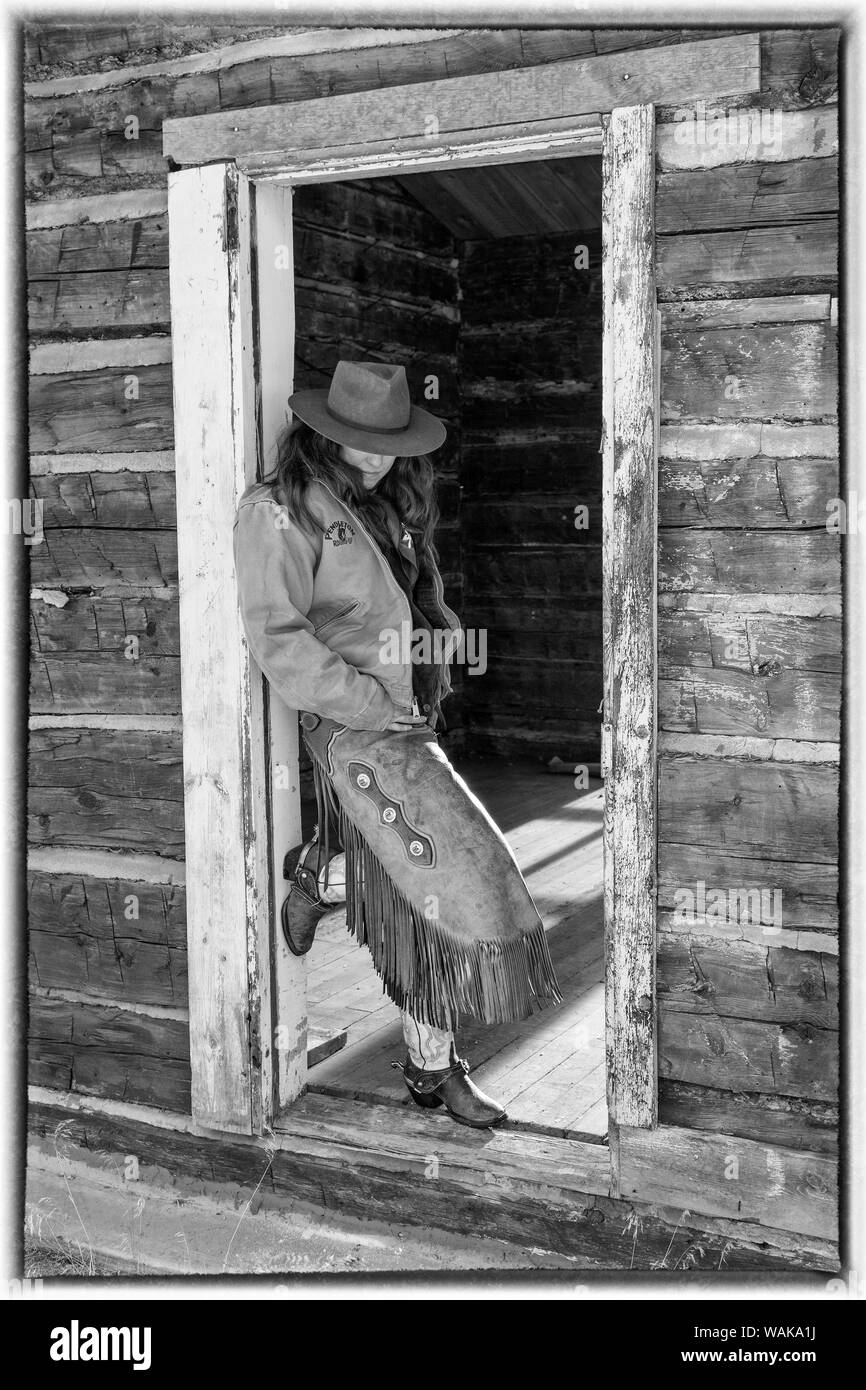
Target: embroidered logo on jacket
340, 532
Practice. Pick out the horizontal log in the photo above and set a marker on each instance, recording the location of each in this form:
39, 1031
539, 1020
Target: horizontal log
772, 492
748, 562
322, 256
542, 351
541, 570
367, 210
746, 195
566, 462
733, 313
507, 734
120, 789
785, 371
771, 135
538, 1195
533, 519
139, 203
139, 243
758, 643
99, 300
137, 500
542, 405
754, 255
785, 1120
93, 1050
84, 624
545, 687
745, 1055
114, 939
809, 891
744, 1179
76, 682
101, 411
96, 557
784, 811
566, 88
335, 313
529, 279
778, 704
734, 980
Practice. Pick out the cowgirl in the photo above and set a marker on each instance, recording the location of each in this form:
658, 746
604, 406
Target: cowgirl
334, 554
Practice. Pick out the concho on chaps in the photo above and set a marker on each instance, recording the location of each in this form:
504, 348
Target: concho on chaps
432, 887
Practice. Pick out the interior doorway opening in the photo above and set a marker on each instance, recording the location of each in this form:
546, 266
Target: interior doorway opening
486, 283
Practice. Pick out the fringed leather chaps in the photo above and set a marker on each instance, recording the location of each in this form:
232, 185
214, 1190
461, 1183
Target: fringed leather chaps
432, 887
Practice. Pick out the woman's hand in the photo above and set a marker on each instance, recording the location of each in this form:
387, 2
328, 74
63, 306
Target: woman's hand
404, 722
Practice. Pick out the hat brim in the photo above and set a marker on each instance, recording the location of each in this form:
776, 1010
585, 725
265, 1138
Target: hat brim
423, 433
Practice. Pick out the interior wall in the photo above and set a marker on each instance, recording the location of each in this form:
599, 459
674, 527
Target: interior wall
529, 363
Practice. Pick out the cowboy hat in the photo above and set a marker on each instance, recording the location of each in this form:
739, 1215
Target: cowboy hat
367, 406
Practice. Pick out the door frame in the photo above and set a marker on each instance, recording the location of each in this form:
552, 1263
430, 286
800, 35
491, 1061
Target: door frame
232, 374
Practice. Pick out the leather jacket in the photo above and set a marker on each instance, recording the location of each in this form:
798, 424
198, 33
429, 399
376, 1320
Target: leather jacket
315, 606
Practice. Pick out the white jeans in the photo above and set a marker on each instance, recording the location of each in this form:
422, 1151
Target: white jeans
429, 1048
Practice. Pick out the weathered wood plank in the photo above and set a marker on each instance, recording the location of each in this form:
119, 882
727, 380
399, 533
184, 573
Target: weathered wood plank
786, 254
228, 870
784, 371
745, 1055
771, 492
775, 704
102, 410
730, 313
746, 195
788, 1121
93, 1050
735, 980
138, 203
404, 273
809, 891
104, 557
335, 1162
119, 939
139, 243
769, 136
98, 300
748, 562
630, 449
118, 789
746, 1180
784, 811
571, 87
138, 500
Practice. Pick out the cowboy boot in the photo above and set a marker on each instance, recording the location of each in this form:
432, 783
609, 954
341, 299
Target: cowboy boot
452, 1088
305, 904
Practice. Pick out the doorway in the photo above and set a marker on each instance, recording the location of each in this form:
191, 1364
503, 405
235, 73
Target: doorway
486, 284
234, 311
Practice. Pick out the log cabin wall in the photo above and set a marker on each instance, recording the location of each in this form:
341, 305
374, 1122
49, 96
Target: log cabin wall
749, 636
530, 376
749, 608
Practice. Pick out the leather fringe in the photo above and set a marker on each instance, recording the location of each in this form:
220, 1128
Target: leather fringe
423, 967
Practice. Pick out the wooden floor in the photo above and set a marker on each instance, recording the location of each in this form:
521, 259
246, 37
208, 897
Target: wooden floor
549, 1070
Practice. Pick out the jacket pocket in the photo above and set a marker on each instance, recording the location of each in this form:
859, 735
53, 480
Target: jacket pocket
343, 612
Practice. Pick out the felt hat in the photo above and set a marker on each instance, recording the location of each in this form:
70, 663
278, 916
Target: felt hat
367, 406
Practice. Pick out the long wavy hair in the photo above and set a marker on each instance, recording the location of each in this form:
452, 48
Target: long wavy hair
304, 456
